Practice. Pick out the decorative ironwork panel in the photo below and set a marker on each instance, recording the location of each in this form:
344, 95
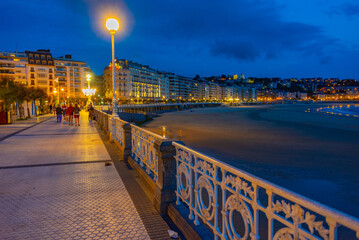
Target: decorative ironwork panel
120, 133
143, 150
232, 203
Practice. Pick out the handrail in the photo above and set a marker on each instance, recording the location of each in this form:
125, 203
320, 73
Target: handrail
143, 150
148, 132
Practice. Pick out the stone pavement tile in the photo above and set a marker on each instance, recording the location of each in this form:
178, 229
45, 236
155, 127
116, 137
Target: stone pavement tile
67, 202
7, 130
50, 142
52, 127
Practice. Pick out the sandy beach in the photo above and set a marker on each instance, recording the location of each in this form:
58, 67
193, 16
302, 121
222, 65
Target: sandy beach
312, 153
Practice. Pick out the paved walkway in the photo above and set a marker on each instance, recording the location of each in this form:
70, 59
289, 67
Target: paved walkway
54, 185
6, 130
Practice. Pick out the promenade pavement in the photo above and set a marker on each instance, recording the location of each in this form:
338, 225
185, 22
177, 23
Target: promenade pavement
6, 130
55, 185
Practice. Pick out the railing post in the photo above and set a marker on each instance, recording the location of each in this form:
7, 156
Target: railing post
127, 144
112, 130
166, 183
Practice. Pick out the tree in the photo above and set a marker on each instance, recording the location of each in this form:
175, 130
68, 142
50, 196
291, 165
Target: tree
38, 94
7, 92
11, 92
20, 95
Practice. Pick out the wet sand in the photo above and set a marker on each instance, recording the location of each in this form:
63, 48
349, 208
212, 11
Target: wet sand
312, 153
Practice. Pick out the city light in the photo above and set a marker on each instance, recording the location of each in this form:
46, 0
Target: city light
89, 91
112, 24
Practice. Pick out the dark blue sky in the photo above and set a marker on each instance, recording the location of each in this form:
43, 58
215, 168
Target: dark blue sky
263, 38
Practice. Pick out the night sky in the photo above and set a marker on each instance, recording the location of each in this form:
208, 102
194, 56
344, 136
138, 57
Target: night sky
260, 38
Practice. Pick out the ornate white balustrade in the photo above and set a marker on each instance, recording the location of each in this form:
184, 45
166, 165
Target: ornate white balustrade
143, 150
103, 119
120, 133
235, 204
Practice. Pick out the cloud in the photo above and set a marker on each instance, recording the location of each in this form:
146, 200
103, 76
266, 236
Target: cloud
184, 36
350, 9
242, 30
235, 49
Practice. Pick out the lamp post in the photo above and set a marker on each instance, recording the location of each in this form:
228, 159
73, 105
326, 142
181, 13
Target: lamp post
55, 91
62, 90
58, 95
112, 25
88, 78
88, 92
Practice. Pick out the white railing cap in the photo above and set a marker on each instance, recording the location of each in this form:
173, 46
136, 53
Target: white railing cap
148, 132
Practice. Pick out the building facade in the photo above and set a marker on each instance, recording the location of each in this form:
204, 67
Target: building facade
13, 66
38, 69
136, 81
182, 88
71, 76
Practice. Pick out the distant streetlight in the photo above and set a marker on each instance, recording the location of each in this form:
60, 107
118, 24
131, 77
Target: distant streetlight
58, 95
55, 91
112, 25
88, 92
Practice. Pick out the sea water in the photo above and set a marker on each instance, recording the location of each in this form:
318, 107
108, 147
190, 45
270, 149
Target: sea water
347, 110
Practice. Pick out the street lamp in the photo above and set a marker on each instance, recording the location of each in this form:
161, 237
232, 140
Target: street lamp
58, 95
88, 92
55, 91
112, 25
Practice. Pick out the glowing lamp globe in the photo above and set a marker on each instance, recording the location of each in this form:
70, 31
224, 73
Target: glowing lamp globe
112, 24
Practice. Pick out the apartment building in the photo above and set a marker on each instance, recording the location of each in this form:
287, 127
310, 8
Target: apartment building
214, 91
228, 93
40, 69
136, 81
164, 86
13, 66
71, 76
203, 90
182, 88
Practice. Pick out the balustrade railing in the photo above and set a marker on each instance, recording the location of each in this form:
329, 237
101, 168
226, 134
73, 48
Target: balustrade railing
143, 150
235, 204
120, 133
103, 119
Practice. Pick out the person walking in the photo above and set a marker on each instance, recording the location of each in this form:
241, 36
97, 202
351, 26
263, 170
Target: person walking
59, 113
76, 112
69, 113
54, 109
64, 109
91, 109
